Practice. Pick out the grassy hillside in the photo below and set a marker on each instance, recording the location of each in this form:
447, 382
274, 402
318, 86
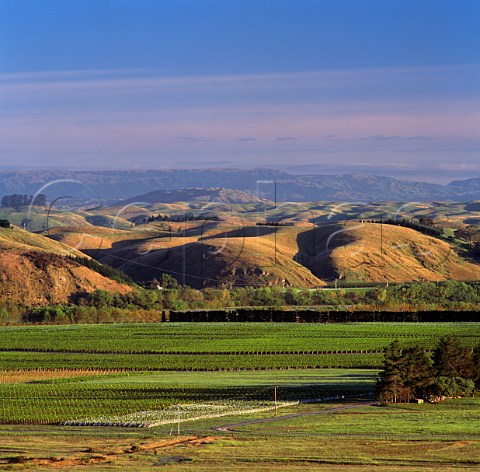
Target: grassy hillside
313, 243
380, 253
35, 270
227, 254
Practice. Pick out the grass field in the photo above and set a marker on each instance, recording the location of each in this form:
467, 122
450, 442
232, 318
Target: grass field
303, 437
109, 397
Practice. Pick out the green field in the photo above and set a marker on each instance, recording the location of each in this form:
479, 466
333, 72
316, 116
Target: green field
304, 437
210, 362
216, 346
215, 382
232, 337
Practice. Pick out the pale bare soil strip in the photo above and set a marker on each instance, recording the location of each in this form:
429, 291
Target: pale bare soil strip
25, 376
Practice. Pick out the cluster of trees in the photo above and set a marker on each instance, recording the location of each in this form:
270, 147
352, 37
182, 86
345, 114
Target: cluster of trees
85, 314
425, 295
423, 225
471, 235
274, 223
5, 224
19, 201
451, 370
183, 218
103, 269
177, 297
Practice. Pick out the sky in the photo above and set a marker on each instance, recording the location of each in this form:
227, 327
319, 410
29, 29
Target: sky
388, 87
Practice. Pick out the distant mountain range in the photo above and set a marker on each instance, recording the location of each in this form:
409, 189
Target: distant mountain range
108, 186
218, 195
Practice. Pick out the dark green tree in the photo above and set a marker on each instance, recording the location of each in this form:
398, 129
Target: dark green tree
476, 366
451, 359
416, 372
389, 384
169, 282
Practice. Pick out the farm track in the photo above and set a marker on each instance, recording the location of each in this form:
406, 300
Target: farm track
338, 408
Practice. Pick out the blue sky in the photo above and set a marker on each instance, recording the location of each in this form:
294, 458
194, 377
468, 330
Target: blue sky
379, 86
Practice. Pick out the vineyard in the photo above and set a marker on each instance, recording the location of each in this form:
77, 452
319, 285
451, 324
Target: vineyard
92, 374
223, 338
187, 362
216, 346
142, 401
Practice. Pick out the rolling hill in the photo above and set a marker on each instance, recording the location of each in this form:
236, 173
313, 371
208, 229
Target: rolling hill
35, 270
222, 254
382, 253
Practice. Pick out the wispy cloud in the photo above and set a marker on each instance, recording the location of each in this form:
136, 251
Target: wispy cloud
193, 139
389, 114
246, 139
288, 138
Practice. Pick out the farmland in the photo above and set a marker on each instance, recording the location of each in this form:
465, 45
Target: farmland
216, 346
70, 367
121, 391
150, 396
345, 437
236, 338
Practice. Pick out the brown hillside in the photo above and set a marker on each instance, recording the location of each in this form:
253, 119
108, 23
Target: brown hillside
380, 253
226, 255
245, 256
35, 271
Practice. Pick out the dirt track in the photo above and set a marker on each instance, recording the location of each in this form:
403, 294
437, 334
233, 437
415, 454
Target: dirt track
333, 409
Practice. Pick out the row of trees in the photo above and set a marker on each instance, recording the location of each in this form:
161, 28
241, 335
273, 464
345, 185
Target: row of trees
425, 295
273, 223
423, 225
186, 298
19, 201
451, 370
409, 301
183, 218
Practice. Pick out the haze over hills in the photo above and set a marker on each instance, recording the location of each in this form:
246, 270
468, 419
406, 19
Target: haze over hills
101, 186
218, 195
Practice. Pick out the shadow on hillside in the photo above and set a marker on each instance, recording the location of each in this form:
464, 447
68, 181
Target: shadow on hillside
472, 206
315, 247
191, 264
243, 232
472, 221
